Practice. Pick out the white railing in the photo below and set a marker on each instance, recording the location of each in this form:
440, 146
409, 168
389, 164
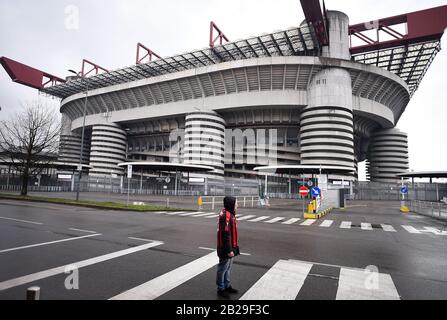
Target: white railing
432, 209
217, 201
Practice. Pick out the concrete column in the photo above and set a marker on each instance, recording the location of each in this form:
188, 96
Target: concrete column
70, 144
338, 36
326, 133
108, 149
388, 155
204, 144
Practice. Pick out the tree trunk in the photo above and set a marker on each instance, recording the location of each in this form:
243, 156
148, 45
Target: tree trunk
25, 179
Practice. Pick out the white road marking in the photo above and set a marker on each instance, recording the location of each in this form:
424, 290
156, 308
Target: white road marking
175, 213
360, 285
366, 226
326, 223
168, 281
204, 214
211, 249
291, 221
142, 239
282, 282
345, 225
214, 216
82, 230
245, 217
388, 228
435, 231
259, 219
191, 213
160, 212
308, 222
411, 229
48, 243
80, 264
18, 220
274, 220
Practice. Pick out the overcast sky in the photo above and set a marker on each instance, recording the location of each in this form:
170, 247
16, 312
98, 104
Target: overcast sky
36, 33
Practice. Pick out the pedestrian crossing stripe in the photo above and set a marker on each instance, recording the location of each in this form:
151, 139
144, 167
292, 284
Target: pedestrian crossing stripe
259, 219
308, 222
364, 226
245, 217
411, 229
326, 223
346, 225
168, 281
363, 285
291, 221
388, 228
277, 219
203, 214
283, 281
191, 213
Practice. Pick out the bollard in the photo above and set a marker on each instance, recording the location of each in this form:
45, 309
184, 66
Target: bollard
244, 203
212, 204
33, 293
167, 202
252, 202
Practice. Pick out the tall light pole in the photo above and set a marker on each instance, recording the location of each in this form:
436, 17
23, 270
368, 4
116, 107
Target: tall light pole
82, 135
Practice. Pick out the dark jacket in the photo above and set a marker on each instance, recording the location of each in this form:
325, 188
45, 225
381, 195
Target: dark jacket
227, 239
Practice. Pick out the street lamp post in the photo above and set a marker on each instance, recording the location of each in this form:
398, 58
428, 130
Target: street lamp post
82, 134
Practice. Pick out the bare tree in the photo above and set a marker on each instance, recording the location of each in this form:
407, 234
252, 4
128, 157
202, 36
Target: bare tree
28, 138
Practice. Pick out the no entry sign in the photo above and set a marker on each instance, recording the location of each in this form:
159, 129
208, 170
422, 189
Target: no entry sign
303, 191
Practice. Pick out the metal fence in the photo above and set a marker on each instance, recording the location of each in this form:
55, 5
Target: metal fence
417, 191
432, 209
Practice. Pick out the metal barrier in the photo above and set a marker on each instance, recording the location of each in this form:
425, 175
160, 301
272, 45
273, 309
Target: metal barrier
243, 201
432, 209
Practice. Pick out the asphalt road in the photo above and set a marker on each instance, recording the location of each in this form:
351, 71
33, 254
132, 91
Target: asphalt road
127, 255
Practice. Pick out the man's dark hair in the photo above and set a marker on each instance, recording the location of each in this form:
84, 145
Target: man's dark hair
229, 204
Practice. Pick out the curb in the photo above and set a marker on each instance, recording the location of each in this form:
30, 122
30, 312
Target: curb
317, 215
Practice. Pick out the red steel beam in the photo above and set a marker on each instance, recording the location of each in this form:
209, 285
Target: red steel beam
220, 36
316, 18
149, 53
27, 75
424, 25
94, 66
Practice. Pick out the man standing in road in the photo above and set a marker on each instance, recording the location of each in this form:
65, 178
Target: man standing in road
227, 246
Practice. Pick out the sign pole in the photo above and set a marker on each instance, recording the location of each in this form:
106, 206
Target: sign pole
129, 176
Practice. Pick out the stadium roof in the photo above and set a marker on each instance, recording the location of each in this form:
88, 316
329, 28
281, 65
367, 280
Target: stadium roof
424, 174
409, 62
290, 42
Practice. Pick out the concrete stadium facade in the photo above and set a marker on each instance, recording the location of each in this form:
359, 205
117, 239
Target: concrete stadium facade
326, 110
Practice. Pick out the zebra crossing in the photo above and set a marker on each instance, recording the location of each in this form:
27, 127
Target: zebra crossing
325, 223
282, 281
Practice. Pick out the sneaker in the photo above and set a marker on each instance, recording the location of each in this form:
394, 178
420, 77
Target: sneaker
223, 293
231, 290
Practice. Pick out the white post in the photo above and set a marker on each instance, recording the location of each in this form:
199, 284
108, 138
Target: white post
290, 184
141, 182
176, 179
72, 181
33, 293
213, 203
266, 186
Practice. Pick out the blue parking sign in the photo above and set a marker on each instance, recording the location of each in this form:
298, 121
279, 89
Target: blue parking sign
316, 192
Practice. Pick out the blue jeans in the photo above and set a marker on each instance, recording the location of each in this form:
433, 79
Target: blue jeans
223, 273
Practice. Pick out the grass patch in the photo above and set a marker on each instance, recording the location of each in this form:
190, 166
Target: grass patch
91, 204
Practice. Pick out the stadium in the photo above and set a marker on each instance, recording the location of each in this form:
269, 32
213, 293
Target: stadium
303, 97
